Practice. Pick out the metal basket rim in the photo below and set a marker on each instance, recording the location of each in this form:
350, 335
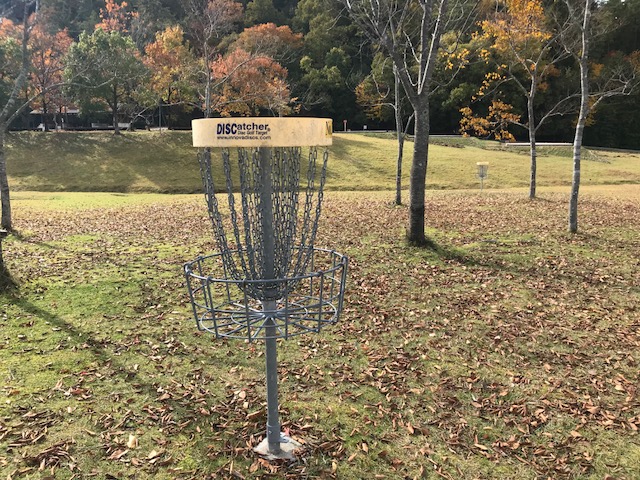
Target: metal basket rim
342, 263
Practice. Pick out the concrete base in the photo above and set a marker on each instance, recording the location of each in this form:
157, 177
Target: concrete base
287, 448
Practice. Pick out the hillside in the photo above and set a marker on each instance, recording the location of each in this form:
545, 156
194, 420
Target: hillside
164, 162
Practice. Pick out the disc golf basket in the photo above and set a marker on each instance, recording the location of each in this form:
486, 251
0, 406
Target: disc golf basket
267, 281
483, 172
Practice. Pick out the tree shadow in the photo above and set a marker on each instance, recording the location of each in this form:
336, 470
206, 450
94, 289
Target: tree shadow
7, 283
449, 253
444, 252
81, 339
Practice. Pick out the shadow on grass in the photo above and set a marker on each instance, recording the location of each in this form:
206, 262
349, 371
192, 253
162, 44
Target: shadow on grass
106, 355
444, 252
7, 282
81, 339
450, 253
175, 413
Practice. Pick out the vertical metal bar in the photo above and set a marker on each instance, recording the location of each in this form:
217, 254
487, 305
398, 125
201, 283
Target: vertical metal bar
269, 304
188, 272
268, 231
320, 301
247, 315
333, 271
273, 419
343, 281
286, 309
311, 269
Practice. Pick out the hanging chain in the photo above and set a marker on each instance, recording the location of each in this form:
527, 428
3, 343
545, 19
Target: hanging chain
293, 234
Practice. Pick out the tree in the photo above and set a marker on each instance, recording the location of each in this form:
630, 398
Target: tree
524, 47
280, 43
332, 61
260, 56
106, 67
410, 32
262, 11
248, 84
374, 93
173, 68
75, 16
621, 76
209, 21
47, 59
495, 123
14, 72
114, 17
583, 59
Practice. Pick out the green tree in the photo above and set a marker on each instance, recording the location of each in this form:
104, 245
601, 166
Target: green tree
333, 61
262, 11
106, 69
74, 15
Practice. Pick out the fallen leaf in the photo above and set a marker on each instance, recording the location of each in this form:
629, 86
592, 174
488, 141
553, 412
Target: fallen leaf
133, 442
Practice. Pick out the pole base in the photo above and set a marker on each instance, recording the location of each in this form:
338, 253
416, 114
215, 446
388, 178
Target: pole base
288, 446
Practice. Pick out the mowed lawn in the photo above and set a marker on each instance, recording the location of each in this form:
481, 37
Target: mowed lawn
511, 351
164, 162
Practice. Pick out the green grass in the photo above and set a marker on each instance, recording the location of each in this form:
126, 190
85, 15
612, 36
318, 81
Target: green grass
509, 352
166, 163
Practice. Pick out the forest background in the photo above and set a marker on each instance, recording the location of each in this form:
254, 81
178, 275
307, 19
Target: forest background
280, 57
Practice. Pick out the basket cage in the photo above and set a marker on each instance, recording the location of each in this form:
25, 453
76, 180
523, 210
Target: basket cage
267, 280
226, 307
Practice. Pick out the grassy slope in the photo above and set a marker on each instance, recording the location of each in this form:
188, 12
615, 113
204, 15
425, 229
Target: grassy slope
165, 162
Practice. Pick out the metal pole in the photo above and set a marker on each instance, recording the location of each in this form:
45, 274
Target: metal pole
273, 419
269, 305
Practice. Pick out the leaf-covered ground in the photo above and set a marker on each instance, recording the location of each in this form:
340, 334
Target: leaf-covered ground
511, 351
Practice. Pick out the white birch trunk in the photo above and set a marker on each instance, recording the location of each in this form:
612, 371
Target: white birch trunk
582, 118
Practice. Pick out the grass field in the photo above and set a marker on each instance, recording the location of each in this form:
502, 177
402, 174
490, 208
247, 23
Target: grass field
165, 163
510, 351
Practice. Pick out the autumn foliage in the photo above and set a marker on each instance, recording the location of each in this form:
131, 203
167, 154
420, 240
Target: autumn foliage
172, 65
250, 83
48, 63
269, 39
519, 30
115, 17
495, 124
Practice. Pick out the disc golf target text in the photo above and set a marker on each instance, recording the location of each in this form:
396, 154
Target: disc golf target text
267, 280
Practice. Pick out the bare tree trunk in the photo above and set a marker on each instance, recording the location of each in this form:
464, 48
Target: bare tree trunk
533, 151
400, 134
45, 114
208, 84
116, 127
4, 183
399, 168
416, 233
8, 113
582, 119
